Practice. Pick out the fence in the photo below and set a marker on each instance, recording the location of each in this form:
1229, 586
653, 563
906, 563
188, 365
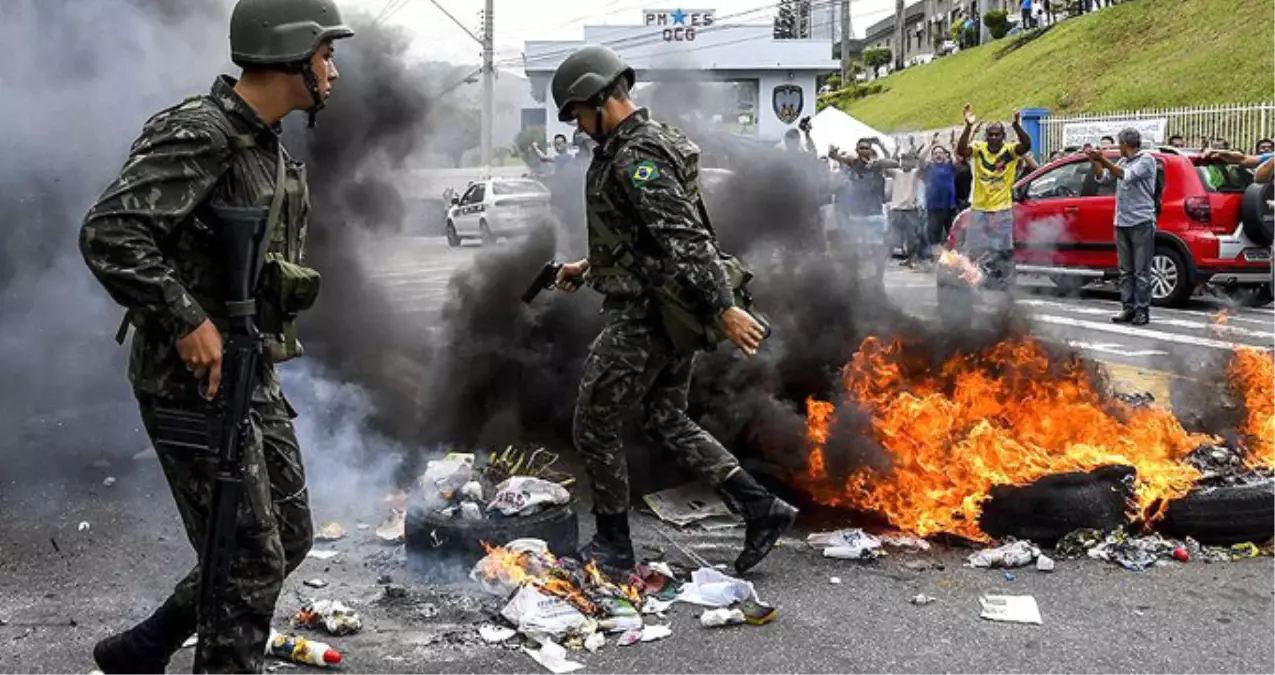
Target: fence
1240, 125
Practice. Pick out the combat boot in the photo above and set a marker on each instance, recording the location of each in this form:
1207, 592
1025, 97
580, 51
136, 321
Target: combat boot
148, 646
766, 517
611, 547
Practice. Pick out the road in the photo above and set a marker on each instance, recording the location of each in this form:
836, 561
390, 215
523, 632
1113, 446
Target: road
64, 584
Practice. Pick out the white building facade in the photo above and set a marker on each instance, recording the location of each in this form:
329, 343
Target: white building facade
691, 44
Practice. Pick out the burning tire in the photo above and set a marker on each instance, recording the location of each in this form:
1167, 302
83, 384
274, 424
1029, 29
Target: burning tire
1223, 515
1045, 511
437, 539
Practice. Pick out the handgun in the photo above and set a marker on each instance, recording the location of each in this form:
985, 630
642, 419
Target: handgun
544, 280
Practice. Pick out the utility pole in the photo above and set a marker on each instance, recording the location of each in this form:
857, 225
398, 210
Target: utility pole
900, 14
489, 73
845, 43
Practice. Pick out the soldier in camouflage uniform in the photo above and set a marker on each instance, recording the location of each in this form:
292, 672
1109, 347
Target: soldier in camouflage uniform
150, 241
643, 188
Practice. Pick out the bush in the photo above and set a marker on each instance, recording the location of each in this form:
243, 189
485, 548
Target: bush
997, 22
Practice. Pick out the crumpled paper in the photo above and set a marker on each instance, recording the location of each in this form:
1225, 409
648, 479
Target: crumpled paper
852, 544
332, 616
1014, 554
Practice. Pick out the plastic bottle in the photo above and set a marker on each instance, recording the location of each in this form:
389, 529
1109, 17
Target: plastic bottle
300, 650
713, 618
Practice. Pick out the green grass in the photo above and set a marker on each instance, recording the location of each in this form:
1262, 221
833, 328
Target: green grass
1139, 54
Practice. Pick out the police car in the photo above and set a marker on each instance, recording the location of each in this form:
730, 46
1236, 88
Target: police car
496, 207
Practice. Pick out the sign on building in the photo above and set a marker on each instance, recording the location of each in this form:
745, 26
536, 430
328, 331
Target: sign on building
1079, 133
678, 25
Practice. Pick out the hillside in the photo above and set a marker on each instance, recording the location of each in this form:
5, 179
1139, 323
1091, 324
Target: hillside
1141, 53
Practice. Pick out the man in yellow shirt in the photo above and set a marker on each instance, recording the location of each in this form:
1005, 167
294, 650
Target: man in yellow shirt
989, 234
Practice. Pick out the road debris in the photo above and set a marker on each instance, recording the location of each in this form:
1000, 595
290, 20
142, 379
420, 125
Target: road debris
710, 588
594, 642
525, 495
1010, 608
1013, 554
905, 541
322, 553
1044, 563
1009, 576
83, 526
533, 611
394, 529
1076, 544
1133, 553
330, 532
108, 481
835, 581
921, 599
301, 650
492, 634
332, 616
852, 544
553, 657
1225, 465
315, 583
690, 503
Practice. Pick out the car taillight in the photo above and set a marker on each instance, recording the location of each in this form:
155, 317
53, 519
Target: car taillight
1198, 210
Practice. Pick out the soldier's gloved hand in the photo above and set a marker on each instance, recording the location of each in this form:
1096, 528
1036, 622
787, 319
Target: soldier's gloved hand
743, 330
200, 350
570, 275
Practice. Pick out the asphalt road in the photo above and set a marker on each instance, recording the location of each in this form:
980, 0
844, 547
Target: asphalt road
64, 585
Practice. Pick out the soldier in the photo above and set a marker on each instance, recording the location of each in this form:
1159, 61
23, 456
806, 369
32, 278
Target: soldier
645, 216
149, 240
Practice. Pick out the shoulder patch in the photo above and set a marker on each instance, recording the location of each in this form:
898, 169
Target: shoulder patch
644, 172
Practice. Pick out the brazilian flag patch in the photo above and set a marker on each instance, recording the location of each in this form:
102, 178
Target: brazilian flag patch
645, 173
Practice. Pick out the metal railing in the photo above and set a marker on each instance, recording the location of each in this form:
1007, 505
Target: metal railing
1241, 125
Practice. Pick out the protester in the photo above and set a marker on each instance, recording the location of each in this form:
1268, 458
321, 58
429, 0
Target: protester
990, 235
1176, 141
1264, 146
860, 220
1026, 6
1107, 143
905, 206
560, 157
1135, 176
940, 195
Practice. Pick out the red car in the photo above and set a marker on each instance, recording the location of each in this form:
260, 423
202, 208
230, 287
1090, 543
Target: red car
1064, 228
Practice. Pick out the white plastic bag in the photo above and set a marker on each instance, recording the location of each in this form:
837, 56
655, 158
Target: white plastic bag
525, 495
535, 612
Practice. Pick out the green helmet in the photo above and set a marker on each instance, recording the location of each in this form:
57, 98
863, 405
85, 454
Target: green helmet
281, 32
585, 75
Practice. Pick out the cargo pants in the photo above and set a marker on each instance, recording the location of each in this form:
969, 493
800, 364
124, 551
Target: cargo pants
631, 365
274, 530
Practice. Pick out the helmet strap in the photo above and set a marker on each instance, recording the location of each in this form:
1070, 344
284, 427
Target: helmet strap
312, 85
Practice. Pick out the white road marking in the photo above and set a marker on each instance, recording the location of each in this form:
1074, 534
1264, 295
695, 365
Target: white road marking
1114, 348
1131, 331
1221, 329
1231, 315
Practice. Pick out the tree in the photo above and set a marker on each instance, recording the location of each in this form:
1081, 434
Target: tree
997, 22
877, 58
523, 141
787, 25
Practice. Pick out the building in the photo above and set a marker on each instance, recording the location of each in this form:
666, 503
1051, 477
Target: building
928, 25
766, 85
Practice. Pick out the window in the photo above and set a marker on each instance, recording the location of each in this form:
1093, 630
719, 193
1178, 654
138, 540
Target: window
1060, 183
1224, 177
472, 195
516, 187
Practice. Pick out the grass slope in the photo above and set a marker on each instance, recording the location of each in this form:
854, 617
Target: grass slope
1138, 54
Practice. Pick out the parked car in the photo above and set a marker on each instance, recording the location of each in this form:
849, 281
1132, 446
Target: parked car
1064, 228
495, 207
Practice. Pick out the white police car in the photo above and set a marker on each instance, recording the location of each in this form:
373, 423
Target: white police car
496, 207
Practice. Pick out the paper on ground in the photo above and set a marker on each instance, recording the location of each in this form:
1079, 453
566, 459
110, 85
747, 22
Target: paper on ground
655, 632
1012, 608
687, 504
553, 657
710, 588
656, 606
534, 612
322, 554
493, 634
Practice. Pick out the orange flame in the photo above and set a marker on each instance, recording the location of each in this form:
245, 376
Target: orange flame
955, 262
1005, 416
515, 568
1252, 377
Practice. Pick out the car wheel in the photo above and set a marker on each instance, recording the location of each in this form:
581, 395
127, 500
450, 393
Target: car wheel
453, 239
1170, 280
439, 542
485, 232
1067, 283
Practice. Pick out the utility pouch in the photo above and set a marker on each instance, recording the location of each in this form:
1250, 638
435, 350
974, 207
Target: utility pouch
186, 430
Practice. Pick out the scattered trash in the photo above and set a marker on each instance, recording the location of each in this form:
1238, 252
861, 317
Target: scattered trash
428, 610
525, 495
620, 624
502, 570
1206, 554
835, 581
447, 475
473, 491
921, 599
656, 632
594, 642
471, 511
757, 613
331, 615
654, 605
553, 657
1014, 554
1180, 554
713, 618
686, 504
630, 638
906, 541
394, 529
330, 532
846, 544
1133, 553
1010, 608
1133, 400
1009, 576
710, 588
83, 526
532, 611
315, 583
301, 650
1044, 563
108, 481
1076, 544
1245, 550
491, 634
1225, 465
279, 665
322, 553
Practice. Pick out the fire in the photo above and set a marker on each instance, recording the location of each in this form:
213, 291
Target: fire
546, 572
1006, 415
968, 271
1252, 376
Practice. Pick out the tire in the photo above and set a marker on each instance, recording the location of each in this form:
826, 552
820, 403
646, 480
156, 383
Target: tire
440, 542
1256, 215
1171, 284
1067, 283
1053, 506
1224, 515
1261, 297
453, 239
484, 232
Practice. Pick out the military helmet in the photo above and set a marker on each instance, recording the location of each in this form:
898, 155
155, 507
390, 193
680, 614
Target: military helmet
585, 75
279, 32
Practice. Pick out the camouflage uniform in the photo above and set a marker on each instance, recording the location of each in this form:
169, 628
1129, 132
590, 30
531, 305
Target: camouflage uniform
149, 241
644, 183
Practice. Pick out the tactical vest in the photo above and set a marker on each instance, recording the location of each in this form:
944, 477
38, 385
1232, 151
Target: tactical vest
285, 287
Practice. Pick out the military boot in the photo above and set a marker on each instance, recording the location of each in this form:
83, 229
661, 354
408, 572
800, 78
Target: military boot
148, 646
611, 547
766, 517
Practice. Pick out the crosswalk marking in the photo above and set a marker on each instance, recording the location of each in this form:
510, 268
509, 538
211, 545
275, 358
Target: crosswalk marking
1218, 328
1111, 306
1131, 331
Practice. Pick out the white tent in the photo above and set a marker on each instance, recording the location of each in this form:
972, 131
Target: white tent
833, 127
